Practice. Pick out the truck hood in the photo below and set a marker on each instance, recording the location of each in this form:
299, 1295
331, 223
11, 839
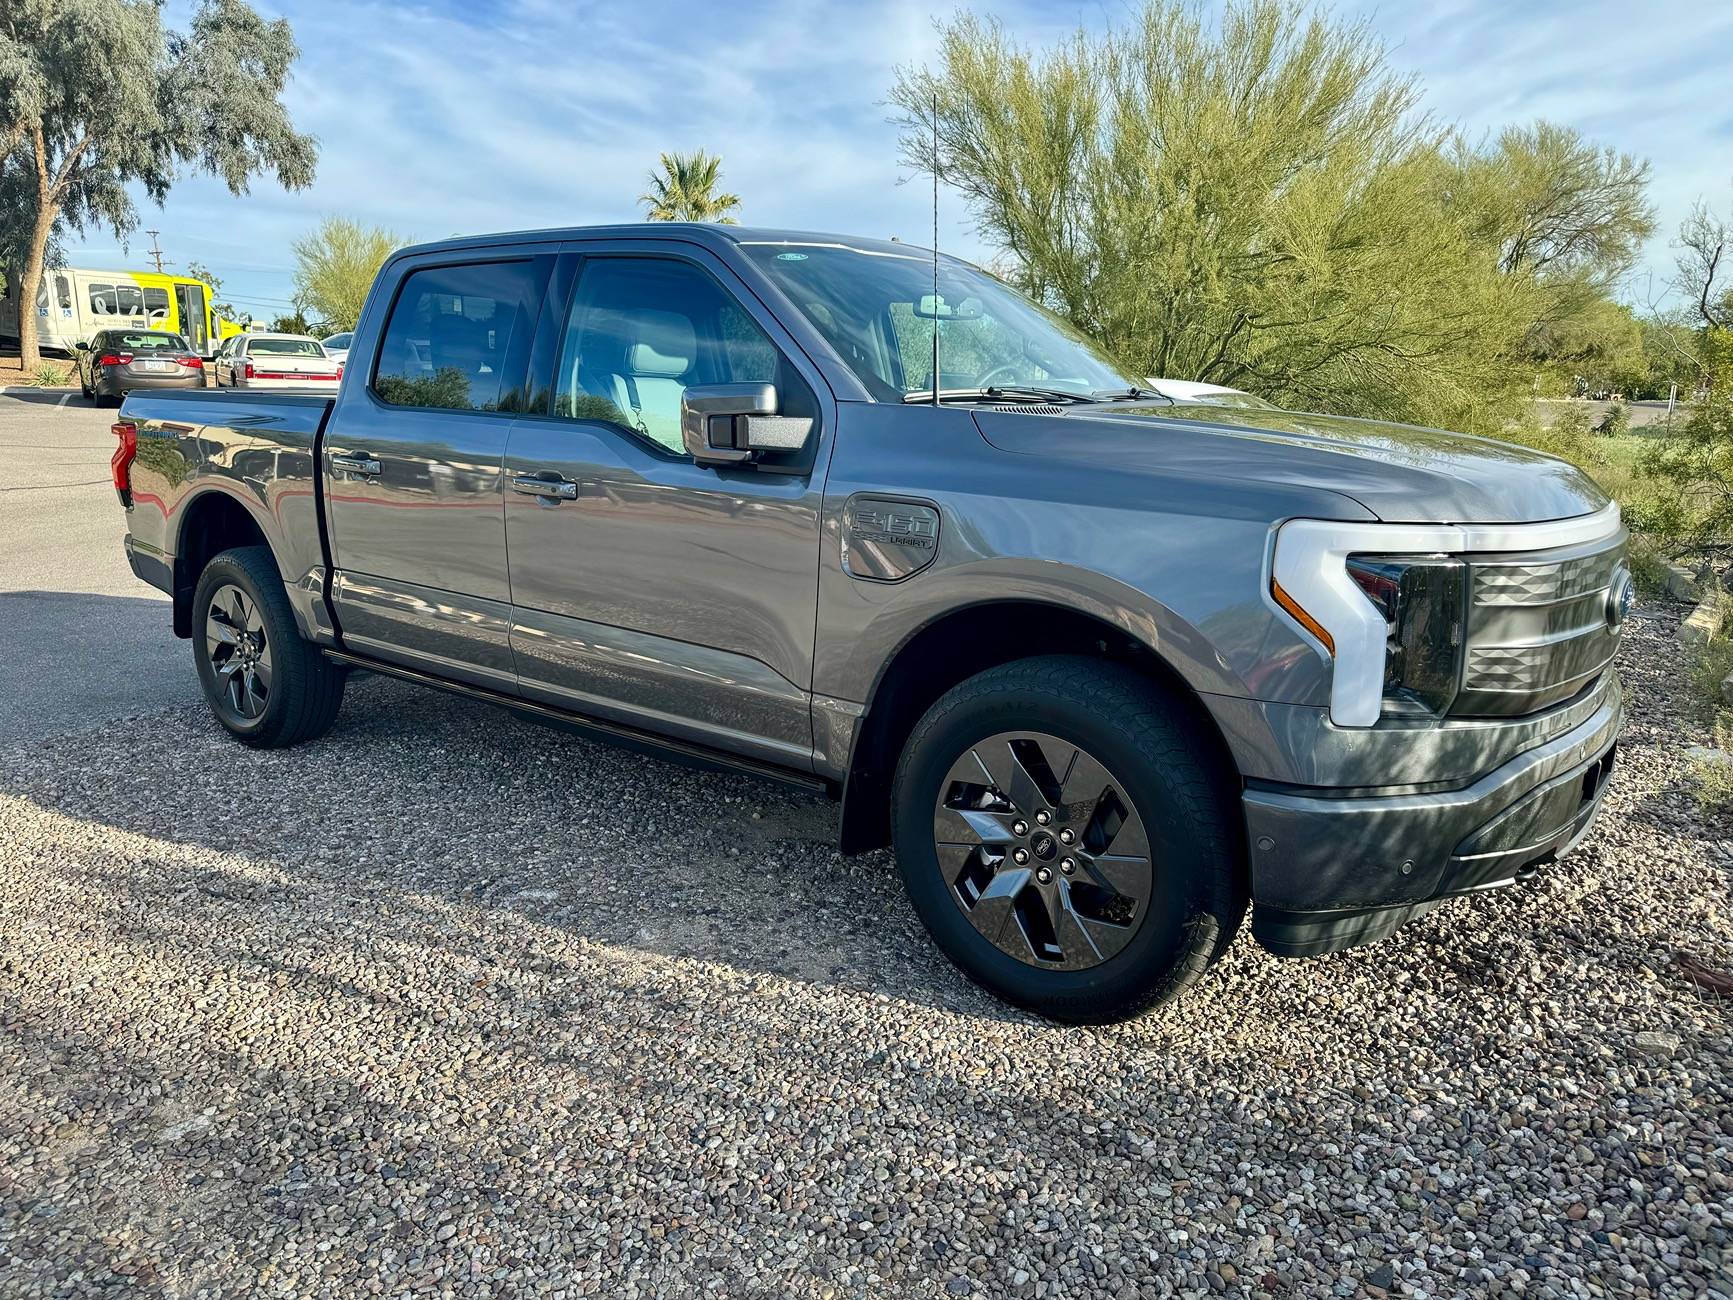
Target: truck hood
1401, 473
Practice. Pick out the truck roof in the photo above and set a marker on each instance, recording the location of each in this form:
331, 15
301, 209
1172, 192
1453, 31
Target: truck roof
698, 232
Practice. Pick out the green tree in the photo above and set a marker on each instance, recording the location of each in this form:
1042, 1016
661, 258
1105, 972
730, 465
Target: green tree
97, 95
335, 266
1261, 202
684, 190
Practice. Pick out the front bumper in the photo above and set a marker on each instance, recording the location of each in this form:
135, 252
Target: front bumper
1333, 871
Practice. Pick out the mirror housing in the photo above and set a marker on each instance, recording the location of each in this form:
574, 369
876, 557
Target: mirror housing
727, 424
81, 346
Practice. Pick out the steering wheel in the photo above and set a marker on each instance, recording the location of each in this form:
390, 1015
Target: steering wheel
1005, 371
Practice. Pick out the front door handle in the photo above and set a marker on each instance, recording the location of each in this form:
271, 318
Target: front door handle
560, 489
360, 463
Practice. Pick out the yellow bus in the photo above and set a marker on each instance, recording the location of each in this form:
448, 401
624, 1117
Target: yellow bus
73, 303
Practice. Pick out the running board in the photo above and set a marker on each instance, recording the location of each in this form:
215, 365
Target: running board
614, 733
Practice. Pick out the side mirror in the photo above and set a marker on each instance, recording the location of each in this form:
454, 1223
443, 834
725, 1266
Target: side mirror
81, 346
725, 424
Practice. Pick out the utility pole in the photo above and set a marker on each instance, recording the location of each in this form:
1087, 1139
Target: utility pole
155, 252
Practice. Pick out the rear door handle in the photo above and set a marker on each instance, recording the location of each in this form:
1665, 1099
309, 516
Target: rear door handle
559, 489
360, 463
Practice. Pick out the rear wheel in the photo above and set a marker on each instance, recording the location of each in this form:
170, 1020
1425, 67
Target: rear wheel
266, 685
1066, 839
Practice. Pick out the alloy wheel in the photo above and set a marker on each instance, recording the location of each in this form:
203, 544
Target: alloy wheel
1043, 850
239, 655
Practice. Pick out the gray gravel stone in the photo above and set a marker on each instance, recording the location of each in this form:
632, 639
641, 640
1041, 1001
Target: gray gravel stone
529, 1029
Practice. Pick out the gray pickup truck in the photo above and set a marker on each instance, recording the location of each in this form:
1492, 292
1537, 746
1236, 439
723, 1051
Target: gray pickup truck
1105, 668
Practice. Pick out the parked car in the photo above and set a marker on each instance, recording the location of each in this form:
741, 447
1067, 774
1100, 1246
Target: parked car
274, 361
1101, 668
1190, 390
117, 362
336, 346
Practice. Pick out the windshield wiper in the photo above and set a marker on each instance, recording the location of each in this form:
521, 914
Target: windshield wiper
1131, 394
997, 391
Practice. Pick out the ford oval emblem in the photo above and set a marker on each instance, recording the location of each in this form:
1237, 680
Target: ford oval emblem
1620, 597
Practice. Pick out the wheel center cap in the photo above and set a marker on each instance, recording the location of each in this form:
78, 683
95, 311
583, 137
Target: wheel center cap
1044, 846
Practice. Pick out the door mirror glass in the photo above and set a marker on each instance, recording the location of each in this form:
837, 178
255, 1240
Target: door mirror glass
82, 346
725, 424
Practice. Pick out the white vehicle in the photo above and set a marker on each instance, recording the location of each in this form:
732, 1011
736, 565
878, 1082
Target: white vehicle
337, 346
1189, 390
275, 361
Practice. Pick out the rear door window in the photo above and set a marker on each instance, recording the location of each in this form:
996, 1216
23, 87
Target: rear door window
447, 342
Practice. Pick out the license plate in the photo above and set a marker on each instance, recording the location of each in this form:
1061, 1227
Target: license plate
156, 365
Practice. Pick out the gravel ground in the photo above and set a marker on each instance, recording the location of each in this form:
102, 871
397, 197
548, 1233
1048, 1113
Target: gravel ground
450, 1005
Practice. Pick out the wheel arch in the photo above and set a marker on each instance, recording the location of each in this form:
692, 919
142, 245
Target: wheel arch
963, 642
213, 521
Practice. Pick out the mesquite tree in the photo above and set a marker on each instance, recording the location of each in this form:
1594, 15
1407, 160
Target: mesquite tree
97, 96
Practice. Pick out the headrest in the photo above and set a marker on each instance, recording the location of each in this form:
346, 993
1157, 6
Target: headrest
661, 344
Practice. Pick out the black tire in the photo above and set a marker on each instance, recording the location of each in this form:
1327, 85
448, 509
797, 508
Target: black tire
305, 689
1178, 788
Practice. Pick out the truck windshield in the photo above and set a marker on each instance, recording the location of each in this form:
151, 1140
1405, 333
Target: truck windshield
878, 310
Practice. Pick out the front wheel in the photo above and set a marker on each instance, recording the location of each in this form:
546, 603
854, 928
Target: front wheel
266, 685
1067, 840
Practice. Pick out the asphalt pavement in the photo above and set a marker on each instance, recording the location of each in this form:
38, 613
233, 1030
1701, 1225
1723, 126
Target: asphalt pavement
82, 641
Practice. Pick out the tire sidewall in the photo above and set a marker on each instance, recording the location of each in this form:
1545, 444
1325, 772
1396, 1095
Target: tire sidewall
221, 572
1180, 856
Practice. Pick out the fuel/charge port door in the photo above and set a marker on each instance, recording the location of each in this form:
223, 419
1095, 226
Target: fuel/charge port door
887, 539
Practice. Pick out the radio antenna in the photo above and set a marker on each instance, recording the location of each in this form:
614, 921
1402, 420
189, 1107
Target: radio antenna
936, 313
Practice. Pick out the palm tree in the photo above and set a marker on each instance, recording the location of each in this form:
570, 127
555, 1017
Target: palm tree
681, 191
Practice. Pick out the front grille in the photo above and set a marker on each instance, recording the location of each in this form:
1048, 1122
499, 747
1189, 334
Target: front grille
1539, 628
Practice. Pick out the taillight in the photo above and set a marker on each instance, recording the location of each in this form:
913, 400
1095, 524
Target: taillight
121, 464
115, 359
339, 370
249, 370
193, 363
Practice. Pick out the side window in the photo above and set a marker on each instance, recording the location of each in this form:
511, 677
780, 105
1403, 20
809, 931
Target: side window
644, 329
102, 301
63, 293
128, 300
156, 305
450, 331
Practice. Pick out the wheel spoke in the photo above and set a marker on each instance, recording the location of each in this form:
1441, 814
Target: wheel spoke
995, 912
1084, 940
220, 633
1014, 780
1129, 840
1120, 873
972, 826
262, 670
255, 694
1084, 783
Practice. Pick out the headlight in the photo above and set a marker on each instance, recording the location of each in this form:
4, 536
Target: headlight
1421, 604
1391, 622
1388, 602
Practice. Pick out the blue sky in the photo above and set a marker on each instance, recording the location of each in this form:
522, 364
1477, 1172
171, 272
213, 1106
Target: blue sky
442, 118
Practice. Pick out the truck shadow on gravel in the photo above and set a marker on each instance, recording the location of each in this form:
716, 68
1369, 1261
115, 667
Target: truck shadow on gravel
423, 803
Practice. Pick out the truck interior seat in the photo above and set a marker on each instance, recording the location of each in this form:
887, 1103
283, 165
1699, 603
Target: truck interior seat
639, 362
